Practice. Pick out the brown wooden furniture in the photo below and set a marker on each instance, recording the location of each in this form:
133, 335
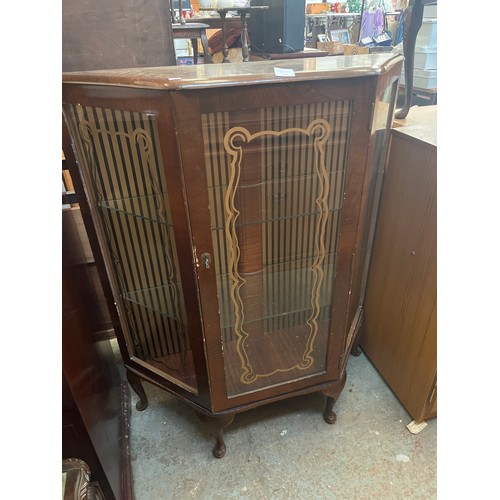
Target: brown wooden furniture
216, 22
399, 330
194, 31
95, 396
180, 14
231, 25
290, 55
244, 14
232, 207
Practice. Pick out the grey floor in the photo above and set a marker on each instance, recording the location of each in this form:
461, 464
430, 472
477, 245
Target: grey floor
285, 450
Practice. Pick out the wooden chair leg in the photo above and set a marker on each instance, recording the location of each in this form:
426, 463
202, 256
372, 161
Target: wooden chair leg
194, 43
413, 22
204, 43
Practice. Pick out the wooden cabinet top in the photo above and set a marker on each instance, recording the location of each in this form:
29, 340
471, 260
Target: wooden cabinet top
249, 73
420, 124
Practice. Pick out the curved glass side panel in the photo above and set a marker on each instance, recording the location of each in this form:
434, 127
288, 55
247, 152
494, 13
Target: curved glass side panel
121, 165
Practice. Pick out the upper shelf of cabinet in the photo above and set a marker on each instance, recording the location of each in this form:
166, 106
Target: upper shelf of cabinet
147, 207
248, 73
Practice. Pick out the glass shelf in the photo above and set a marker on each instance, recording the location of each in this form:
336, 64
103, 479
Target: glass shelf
280, 176
148, 207
279, 200
179, 367
163, 300
277, 293
283, 320
289, 147
275, 357
275, 220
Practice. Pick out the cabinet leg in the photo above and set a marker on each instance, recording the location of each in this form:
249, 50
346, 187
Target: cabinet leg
136, 383
329, 415
355, 349
332, 394
216, 426
358, 333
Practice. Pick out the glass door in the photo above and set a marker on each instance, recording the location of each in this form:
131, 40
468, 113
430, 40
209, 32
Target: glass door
122, 169
276, 180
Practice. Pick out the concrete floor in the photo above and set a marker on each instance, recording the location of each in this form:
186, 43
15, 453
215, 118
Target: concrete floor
285, 450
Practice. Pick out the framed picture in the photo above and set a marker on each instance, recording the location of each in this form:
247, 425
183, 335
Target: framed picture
322, 38
185, 60
341, 35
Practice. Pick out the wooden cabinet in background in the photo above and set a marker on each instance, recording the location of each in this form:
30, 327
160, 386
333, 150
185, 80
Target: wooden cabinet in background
94, 398
231, 206
399, 330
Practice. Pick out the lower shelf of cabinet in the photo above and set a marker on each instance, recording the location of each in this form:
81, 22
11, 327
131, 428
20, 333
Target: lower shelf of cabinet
274, 358
178, 366
267, 359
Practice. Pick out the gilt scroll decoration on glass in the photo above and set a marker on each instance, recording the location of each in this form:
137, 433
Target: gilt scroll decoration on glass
320, 130
276, 178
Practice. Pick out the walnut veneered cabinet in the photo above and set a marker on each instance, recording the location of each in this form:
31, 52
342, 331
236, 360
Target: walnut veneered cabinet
231, 209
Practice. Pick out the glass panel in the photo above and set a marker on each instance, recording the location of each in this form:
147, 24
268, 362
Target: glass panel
121, 164
276, 182
381, 129
139, 206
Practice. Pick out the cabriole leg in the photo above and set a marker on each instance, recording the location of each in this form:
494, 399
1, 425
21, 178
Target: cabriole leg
216, 426
136, 383
332, 394
329, 415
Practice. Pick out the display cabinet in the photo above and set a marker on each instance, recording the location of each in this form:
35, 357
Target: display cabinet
231, 211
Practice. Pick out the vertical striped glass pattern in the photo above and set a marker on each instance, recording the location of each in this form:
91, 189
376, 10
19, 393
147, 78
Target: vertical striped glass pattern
121, 164
276, 182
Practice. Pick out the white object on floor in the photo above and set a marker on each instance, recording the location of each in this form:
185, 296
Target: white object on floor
415, 428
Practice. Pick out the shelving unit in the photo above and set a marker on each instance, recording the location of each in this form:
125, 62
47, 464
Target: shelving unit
317, 24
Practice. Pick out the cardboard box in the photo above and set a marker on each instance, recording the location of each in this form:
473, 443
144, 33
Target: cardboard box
351, 49
333, 48
317, 8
